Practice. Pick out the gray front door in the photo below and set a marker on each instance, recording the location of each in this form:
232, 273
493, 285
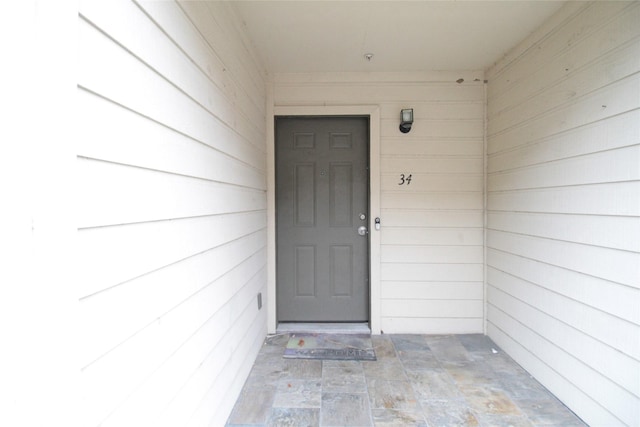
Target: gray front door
322, 191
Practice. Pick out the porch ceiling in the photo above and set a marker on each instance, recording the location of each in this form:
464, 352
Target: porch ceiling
334, 36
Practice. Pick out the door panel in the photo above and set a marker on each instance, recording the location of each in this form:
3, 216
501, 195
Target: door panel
322, 190
304, 188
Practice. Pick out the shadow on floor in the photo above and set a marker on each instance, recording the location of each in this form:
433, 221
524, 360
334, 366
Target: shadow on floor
418, 380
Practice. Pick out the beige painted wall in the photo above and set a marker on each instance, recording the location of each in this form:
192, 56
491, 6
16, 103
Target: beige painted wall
430, 245
171, 212
563, 233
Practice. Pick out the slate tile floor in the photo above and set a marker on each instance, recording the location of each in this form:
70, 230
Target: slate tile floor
418, 380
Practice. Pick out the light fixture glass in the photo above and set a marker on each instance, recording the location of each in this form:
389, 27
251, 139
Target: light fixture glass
406, 119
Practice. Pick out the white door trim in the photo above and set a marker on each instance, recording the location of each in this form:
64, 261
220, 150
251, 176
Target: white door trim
373, 112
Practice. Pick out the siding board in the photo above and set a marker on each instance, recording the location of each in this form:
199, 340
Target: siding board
623, 166
608, 336
431, 201
431, 146
426, 325
144, 143
102, 331
615, 232
432, 218
431, 182
616, 65
99, 139
171, 211
609, 297
136, 86
114, 255
607, 39
622, 199
431, 235
366, 93
563, 213
398, 308
616, 98
429, 128
432, 290
616, 132
619, 266
556, 42
462, 110
216, 395
431, 272
98, 75
594, 383
218, 25
223, 42
117, 194
175, 23
413, 165
147, 396
145, 41
123, 370
412, 236
573, 386
416, 254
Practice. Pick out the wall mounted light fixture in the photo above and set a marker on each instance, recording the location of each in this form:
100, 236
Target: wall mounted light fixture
406, 120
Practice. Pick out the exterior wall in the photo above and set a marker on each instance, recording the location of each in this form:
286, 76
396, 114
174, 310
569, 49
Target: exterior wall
171, 211
432, 229
563, 262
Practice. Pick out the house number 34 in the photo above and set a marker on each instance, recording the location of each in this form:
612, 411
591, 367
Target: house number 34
405, 179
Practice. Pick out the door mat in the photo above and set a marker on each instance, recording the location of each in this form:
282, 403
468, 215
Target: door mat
330, 347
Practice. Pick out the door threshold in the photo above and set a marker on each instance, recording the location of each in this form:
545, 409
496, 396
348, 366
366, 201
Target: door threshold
324, 328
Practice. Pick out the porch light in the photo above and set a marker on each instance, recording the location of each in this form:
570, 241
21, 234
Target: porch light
406, 120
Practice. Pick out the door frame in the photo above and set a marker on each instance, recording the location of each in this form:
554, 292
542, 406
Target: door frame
373, 113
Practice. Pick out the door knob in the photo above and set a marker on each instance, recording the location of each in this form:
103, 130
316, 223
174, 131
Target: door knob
362, 230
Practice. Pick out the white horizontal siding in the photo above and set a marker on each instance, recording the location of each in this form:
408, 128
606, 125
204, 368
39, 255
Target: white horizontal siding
131, 299
615, 265
623, 199
431, 236
563, 217
434, 147
621, 231
435, 308
609, 297
431, 201
143, 143
413, 253
171, 211
580, 170
433, 182
117, 194
561, 48
615, 132
432, 325
437, 218
435, 235
590, 323
354, 93
433, 290
616, 98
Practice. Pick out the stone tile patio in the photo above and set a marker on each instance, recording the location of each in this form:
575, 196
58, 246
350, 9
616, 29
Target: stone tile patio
418, 380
